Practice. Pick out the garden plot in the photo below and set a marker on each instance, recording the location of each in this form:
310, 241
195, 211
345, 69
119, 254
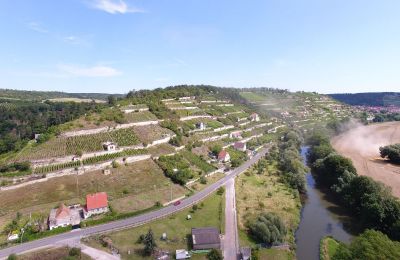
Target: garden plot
149, 134
135, 117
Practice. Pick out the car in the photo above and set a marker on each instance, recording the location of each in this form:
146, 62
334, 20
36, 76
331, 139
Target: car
176, 203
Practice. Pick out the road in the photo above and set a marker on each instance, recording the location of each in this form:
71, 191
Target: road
133, 221
231, 241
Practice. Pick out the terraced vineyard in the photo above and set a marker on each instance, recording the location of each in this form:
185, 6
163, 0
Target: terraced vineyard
63, 146
88, 161
139, 117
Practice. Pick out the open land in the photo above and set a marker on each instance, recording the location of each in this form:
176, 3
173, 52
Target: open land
361, 144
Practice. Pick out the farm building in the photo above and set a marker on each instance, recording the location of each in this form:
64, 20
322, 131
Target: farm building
224, 156
254, 117
109, 146
240, 146
64, 216
205, 238
96, 204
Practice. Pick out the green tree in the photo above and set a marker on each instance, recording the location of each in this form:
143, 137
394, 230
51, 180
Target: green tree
215, 254
268, 228
149, 243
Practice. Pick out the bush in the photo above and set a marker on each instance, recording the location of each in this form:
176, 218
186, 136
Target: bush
220, 190
214, 254
75, 251
392, 152
268, 228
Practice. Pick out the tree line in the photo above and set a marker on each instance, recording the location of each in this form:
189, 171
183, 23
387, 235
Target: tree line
370, 201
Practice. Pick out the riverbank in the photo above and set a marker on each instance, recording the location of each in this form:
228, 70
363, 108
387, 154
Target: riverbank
320, 217
361, 145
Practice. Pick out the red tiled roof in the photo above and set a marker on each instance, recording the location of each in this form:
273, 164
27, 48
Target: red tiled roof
222, 155
97, 200
239, 145
62, 212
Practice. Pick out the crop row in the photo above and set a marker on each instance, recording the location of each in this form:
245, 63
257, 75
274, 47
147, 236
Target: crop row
88, 161
62, 146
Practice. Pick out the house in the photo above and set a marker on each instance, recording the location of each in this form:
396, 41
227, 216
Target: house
245, 253
109, 146
240, 146
235, 134
223, 156
254, 117
205, 238
64, 216
201, 126
96, 204
182, 254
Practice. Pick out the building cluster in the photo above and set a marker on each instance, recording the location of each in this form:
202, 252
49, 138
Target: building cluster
73, 215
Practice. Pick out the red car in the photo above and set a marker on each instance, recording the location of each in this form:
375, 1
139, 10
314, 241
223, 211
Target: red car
176, 203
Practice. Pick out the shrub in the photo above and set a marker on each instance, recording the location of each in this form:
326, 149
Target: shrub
268, 228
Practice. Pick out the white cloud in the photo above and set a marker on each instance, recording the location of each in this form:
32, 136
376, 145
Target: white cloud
37, 27
95, 71
76, 40
114, 6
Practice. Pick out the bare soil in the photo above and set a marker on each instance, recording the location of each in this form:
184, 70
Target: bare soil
361, 144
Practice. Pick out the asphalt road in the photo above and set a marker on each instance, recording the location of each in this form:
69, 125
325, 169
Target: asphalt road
133, 221
231, 241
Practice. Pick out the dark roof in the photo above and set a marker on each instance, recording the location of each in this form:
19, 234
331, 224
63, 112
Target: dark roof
206, 235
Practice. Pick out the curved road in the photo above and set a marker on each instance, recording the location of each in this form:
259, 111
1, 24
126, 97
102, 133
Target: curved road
133, 221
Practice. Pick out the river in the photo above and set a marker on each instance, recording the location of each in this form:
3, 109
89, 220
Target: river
319, 217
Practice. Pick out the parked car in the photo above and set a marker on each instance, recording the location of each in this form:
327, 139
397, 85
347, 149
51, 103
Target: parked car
176, 203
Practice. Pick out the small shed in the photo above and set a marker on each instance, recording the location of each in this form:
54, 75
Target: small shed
245, 253
182, 254
109, 146
107, 171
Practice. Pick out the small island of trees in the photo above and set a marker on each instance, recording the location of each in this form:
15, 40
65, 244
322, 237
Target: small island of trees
391, 152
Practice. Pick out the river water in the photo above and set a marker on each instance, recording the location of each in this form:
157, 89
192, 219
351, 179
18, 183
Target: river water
319, 217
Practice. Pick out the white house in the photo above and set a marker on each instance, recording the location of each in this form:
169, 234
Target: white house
223, 156
96, 204
64, 216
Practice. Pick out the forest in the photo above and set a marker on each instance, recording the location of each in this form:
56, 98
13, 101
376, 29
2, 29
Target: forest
369, 99
21, 120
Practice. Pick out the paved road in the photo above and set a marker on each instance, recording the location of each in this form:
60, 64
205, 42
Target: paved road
133, 221
231, 241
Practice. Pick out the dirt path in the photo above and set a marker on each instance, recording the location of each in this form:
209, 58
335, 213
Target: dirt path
361, 145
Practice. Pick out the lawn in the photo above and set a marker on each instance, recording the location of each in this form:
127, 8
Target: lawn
328, 248
134, 187
176, 226
264, 193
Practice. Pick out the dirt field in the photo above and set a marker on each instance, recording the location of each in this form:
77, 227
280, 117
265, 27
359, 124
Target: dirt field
361, 145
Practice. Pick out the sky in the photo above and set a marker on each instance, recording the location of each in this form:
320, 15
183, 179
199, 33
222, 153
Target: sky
114, 46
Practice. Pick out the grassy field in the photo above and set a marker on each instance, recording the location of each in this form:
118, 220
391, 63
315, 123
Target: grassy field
150, 133
77, 100
328, 248
176, 227
136, 186
139, 117
51, 254
264, 193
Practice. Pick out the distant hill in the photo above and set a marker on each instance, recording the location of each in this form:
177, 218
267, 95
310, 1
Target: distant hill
369, 99
44, 95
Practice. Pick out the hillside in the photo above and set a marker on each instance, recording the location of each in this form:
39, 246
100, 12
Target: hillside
45, 95
149, 148
369, 99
